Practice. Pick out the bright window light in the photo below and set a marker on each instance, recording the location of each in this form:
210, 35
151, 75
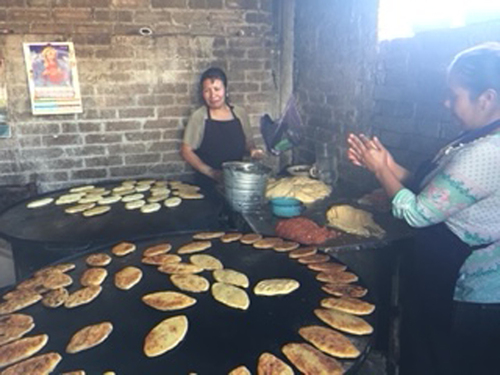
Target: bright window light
404, 18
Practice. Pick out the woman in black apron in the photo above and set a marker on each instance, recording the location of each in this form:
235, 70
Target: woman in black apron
441, 336
216, 133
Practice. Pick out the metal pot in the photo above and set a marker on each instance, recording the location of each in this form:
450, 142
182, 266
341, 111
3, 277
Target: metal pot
245, 185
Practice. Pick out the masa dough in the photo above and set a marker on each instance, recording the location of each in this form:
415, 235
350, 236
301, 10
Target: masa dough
302, 188
353, 220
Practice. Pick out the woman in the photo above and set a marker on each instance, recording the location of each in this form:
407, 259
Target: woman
217, 132
456, 198
53, 73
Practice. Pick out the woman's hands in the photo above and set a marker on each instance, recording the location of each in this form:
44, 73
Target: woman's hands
368, 153
257, 153
215, 174
371, 154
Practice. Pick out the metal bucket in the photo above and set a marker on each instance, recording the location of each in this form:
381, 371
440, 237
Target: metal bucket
245, 185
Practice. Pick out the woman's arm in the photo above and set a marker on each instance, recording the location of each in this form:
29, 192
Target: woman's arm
469, 177
253, 151
194, 161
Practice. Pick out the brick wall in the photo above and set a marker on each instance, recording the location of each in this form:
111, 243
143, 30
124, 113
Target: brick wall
138, 91
335, 53
409, 115
347, 82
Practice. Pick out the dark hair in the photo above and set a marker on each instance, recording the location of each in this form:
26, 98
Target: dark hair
213, 73
477, 69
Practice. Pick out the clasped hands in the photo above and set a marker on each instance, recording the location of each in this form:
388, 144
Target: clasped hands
368, 153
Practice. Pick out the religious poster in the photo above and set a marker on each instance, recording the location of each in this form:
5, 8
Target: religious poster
4, 126
53, 78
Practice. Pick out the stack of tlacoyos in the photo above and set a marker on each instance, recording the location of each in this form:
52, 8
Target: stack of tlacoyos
145, 195
192, 270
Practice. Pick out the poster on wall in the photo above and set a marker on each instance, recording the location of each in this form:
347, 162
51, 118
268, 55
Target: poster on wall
4, 126
53, 78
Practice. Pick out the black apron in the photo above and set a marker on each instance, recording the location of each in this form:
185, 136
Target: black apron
435, 263
222, 141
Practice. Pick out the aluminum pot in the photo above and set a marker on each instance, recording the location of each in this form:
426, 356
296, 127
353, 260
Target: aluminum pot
245, 185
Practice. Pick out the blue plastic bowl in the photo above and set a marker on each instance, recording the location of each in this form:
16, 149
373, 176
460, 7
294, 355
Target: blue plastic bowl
286, 207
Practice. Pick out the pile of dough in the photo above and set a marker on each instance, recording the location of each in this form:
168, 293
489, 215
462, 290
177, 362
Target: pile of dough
353, 220
302, 188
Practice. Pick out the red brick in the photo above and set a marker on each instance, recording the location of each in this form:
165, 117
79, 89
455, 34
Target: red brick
243, 87
173, 134
103, 138
163, 146
38, 128
108, 113
61, 140
15, 179
51, 28
198, 4
214, 4
169, 3
86, 174
130, 3
246, 64
124, 16
62, 164
89, 127
52, 176
167, 168
128, 171
85, 151
93, 29
62, 14
175, 111
27, 142
90, 3
147, 17
259, 53
8, 167
171, 88
175, 156
19, 14
98, 39
242, 4
121, 53
130, 148
101, 15
142, 136
142, 159
102, 161
136, 113
122, 125
161, 124
258, 17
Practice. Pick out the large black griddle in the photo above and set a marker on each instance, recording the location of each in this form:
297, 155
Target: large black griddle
219, 338
50, 224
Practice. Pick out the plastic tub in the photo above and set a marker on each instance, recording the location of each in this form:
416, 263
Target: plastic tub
286, 207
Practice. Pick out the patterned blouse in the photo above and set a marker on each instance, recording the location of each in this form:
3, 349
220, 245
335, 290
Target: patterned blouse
464, 193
